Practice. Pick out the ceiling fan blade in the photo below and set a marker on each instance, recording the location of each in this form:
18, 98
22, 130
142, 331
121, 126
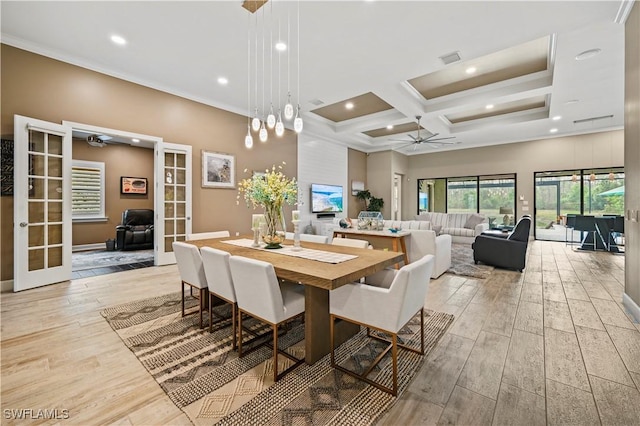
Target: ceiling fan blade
400, 140
414, 138
439, 139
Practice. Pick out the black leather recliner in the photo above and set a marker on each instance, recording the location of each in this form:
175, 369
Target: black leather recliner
509, 253
136, 230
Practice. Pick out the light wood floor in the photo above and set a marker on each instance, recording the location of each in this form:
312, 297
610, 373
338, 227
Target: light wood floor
552, 345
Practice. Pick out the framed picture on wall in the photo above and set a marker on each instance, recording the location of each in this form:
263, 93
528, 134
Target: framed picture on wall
133, 185
218, 170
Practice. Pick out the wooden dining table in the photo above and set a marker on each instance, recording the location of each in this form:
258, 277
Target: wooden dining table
318, 278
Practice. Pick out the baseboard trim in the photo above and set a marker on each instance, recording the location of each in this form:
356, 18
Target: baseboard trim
85, 247
6, 286
631, 306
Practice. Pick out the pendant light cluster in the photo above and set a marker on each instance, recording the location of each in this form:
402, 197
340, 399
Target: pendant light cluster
261, 34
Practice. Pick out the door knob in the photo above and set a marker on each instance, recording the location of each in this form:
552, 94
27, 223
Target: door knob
23, 224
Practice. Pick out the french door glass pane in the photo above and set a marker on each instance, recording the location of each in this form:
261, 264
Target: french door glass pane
174, 198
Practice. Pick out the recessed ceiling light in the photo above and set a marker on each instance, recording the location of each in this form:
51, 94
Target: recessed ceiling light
556, 117
471, 70
390, 126
572, 101
349, 105
490, 106
223, 81
135, 140
554, 130
119, 40
281, 46
587, 54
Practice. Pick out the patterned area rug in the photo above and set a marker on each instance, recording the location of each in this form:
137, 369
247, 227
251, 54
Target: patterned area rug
462, 263
101, 258
205, 378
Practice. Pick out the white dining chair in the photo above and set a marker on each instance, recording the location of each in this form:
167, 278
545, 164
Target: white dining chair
395, 297
191, 272
220, 283
350, 242
261, 296
207, 235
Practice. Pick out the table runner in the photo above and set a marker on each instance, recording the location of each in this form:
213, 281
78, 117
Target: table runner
304, 253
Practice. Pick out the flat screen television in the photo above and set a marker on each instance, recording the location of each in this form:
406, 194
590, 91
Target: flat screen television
326, 198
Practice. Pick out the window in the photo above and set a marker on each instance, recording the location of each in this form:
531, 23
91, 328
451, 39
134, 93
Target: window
498, 198
493, 196
87, 191
462, 195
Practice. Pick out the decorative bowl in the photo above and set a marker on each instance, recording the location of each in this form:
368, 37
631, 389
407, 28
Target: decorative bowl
394, 230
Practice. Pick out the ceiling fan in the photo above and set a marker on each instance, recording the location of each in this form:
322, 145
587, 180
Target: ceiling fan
417, 140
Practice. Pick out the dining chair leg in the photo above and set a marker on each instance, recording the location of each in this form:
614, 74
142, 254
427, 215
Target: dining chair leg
201, 304
421, 331
210, 314
394, 356
331, 340
233, 325
275, 353
239, 333
182, 295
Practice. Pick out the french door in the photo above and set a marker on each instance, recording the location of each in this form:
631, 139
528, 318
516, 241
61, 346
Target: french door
42, 203
173, 198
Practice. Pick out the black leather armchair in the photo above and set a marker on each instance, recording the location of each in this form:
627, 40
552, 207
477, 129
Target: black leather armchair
136, 230
509, 253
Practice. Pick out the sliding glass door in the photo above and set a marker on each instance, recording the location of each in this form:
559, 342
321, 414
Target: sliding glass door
560, 193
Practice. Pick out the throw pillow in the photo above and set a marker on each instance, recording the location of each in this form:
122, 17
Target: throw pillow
437, 229
473, 220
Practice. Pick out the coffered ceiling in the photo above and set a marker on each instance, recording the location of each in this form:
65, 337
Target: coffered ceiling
385, 58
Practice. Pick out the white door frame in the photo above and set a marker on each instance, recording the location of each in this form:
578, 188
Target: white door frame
157, 147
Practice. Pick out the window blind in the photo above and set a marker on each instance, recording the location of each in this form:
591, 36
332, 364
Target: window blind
87, 190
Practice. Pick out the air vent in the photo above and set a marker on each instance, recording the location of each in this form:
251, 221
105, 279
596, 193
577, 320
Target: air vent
586, 120
316, 102
450, 58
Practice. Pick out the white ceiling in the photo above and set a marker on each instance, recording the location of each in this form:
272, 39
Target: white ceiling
348, 48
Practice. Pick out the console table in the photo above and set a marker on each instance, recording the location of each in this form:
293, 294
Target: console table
397, 238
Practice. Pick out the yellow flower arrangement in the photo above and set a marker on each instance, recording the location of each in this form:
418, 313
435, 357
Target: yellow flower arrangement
271, 191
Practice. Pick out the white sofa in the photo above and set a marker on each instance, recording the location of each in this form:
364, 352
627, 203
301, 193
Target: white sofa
463, 227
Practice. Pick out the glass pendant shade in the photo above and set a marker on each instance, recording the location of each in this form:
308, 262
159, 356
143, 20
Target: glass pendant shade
297, 123
271, 119
279, 126
255, 123
612, 176
574, 178
592, 177
248, 141
288, 109
263, 133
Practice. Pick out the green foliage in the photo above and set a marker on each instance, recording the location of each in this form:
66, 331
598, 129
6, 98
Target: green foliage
371, 203
375, 204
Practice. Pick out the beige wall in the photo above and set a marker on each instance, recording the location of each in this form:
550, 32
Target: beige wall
632, 154
380, 178
357, 170
119, 160
564, 153
43, 88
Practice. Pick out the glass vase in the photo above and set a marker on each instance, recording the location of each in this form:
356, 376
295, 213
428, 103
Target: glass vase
275, 227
